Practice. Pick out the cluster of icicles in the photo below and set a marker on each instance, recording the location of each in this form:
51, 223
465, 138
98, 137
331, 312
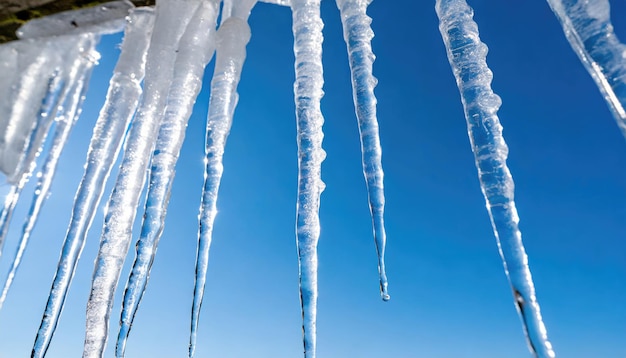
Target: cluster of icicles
149, 101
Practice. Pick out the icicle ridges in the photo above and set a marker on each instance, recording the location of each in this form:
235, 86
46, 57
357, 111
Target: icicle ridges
122, 96
232, 38
71, 109
358, 37
171, 20
195, 51
467, 56
587, 26
308, 38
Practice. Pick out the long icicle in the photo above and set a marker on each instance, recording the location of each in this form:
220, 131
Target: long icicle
232, 38
587, 26
71, 112
21, 144
467, 56
171, 20
196, 49
358, 35
43, 67
308, 38
121, 102
49, 320
48, 109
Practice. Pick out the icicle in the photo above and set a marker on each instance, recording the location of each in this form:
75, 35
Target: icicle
307, 31
38, 41
121, 101
171, 20
232, 38
358, 36
467, 56
195, 51
588, 28
82, 41
9, 54
21, 136
24, 131
43, 120
64, 124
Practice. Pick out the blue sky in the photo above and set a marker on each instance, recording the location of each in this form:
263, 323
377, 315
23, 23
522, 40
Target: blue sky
450, 297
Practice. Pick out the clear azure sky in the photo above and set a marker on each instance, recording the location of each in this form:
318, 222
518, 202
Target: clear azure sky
450, 296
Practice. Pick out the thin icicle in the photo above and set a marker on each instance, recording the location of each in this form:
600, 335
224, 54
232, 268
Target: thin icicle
307, 31
20, 136
358, 36
13, 194
588, 28
232, 38
49, 320
195, 51
23, 131
171, 20
121, 101
71, 110
27, 135
467, 56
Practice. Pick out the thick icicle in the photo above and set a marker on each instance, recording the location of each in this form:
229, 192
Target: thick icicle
71, 110
467, 56
232, 38
121, 102
195, 51
171, 20
587, 26
358, 36
307, 31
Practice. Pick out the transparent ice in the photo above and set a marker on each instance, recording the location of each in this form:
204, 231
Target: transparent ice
48, 71
358, 35
171, 19
85, 57
232, 38
307, 32
587, 26
467, 56
103, 150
